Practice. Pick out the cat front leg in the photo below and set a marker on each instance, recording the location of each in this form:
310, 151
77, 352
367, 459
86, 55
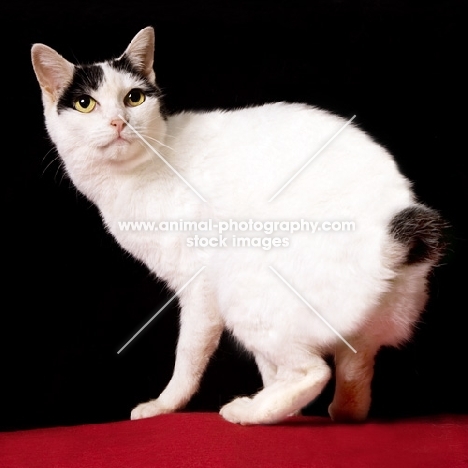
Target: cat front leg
200, 330
267, 370
298, 381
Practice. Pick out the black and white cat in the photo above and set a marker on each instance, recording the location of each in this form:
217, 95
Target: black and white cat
285, 277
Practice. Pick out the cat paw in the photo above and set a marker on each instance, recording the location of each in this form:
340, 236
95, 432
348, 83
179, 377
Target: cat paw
347, 415
148, 410
238, 411
245, 411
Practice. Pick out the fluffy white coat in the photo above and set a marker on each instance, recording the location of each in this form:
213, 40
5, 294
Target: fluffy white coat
237, 160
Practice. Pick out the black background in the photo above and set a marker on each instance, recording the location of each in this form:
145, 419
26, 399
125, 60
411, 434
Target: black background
72, 298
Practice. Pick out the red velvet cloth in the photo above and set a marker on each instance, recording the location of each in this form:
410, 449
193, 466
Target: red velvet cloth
205, 440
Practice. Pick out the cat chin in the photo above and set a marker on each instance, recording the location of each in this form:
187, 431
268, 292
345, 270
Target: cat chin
124, 154
117, 144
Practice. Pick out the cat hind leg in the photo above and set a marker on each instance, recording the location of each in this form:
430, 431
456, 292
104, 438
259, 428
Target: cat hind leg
354, 372
390, 325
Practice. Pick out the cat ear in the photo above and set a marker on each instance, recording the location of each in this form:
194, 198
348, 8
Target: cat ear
53, 72
140, 52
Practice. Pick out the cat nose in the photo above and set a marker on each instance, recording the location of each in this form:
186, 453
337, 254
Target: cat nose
119, 124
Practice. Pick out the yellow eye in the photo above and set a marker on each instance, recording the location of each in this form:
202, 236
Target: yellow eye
135, 97
84, 104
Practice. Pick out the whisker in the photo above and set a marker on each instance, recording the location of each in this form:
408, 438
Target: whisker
51, 162
157, 141
47, 154
61, 167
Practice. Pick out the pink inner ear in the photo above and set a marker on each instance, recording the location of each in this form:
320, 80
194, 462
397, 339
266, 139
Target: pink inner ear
61, 76
141, 51
52, 70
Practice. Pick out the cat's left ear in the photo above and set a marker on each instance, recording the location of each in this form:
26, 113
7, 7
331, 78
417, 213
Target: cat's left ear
140, 52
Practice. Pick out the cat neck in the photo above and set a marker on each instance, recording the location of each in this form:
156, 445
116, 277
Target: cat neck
120, 187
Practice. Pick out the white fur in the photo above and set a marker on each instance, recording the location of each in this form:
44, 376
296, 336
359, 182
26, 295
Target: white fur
237, 160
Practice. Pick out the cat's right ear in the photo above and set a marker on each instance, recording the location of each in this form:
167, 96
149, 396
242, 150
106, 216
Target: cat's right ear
140, 52
53, 72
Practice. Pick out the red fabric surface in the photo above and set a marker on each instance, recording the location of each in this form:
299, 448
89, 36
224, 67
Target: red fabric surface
205, 440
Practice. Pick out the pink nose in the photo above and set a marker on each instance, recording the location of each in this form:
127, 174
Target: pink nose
118, 124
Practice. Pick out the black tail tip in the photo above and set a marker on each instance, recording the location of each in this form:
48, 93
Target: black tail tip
423, 231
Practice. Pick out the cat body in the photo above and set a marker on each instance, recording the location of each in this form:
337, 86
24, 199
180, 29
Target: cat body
312, 293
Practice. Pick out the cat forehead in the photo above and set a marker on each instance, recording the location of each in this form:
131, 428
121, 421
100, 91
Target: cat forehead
110, 77
115, 78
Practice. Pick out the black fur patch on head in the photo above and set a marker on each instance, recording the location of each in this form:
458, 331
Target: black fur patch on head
124, 64
86, 79
421, 230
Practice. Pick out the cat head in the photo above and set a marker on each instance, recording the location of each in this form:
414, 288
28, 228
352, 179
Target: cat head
89, 109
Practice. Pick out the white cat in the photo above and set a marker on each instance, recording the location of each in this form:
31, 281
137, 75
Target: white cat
290, 298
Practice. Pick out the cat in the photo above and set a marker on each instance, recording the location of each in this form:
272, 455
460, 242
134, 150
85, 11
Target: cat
289, 294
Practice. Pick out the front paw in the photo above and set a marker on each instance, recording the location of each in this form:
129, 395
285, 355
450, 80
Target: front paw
255, 410
238, 411
148, 410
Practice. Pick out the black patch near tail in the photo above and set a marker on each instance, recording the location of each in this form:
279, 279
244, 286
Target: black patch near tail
421, 229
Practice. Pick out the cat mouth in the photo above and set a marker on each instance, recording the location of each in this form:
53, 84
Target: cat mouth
118, 141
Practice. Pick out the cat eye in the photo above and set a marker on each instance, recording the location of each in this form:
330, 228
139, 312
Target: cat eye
84, 104
135, 97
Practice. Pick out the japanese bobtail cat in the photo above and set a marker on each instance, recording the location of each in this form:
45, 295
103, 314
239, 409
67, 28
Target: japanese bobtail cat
309, 294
